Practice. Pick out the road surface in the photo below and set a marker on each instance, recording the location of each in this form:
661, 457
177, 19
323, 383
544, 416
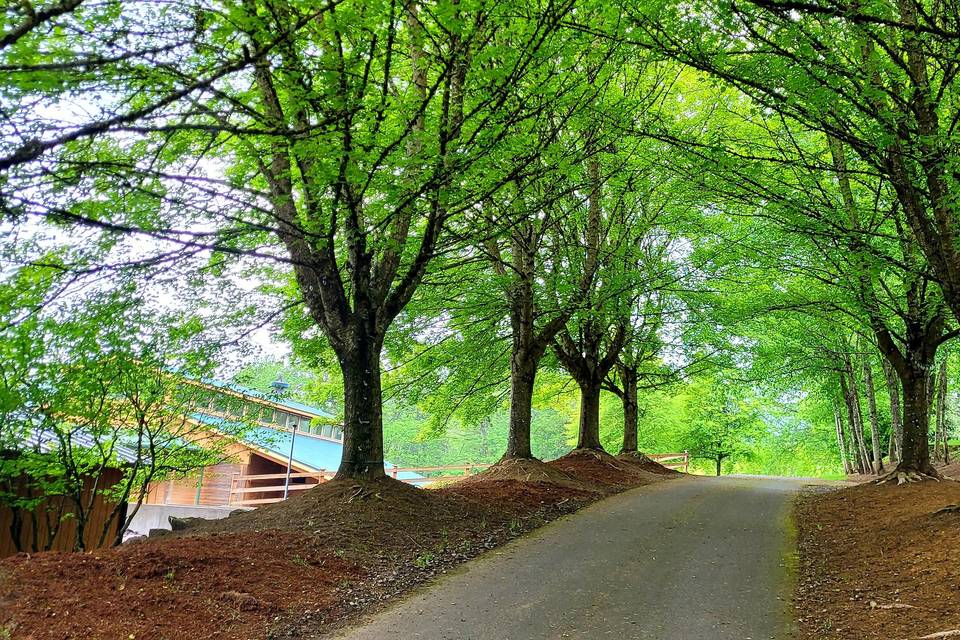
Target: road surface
680, 560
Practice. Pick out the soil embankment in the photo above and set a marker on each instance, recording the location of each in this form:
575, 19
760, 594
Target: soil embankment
879, 561
295, 568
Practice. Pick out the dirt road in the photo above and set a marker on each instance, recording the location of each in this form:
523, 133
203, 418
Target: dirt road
682, 560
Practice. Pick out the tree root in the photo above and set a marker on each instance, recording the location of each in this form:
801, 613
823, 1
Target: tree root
639, 455
599, 454
950, 508
953, 633
907, 476
362, 493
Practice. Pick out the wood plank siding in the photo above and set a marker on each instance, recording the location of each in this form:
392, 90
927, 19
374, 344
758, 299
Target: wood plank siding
66, 535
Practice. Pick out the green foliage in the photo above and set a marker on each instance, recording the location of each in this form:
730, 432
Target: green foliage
410, 440
737, 198
87, 388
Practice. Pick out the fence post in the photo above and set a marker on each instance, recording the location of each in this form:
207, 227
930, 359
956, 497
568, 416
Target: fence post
233, 485
196, 497
686, 461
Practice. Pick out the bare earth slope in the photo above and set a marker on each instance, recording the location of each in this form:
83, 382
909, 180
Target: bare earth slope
880, 561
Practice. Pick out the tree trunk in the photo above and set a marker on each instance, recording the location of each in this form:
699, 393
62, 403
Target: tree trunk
362, 410
528, 345
523, 371
630, 417
874, 426
719, 460
858, 417
940, 437
916, 422
838, 422
896, 424
589, 437
859, 452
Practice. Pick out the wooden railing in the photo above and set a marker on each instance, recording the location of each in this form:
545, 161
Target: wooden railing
259, 494
465, 470
678, 461
241, 487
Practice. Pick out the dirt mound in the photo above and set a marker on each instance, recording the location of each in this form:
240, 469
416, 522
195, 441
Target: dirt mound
160, 588
601, 469
644, 463
951, 470
879, 561
370, 516
525, 470
518, 495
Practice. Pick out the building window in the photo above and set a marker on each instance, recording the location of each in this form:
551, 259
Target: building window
236, 407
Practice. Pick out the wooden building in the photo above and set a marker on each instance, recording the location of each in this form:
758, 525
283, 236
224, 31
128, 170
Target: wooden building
274, 434
285, 432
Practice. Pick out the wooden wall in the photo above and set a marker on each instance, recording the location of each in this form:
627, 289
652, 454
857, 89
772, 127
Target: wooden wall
214, 487
66, 536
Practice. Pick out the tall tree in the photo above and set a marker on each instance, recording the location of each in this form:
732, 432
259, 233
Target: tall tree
896, 426
880, 79
841, 441
341, 141
877, 457
941, 445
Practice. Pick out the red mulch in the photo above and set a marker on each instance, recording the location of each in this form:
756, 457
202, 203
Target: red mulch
602, 469
299, 567
529, 472
876, 561
214, 586
951, 470
519, 496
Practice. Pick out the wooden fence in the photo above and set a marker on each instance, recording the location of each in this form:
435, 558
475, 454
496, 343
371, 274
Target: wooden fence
678, 461
101, 516
254, 490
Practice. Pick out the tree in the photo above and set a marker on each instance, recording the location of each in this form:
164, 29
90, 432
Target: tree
879, 80
845, 230
941, 445
343, 140
639, 361
724, 425
90, 407
877, 458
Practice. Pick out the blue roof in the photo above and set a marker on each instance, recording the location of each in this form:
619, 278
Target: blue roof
275, 399
47, 441
308, 451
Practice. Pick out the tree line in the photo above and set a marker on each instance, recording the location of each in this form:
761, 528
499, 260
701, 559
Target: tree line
467, 194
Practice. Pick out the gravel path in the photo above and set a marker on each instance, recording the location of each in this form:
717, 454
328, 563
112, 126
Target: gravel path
680, 560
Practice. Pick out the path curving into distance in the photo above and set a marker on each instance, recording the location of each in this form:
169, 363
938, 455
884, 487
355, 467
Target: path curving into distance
680, 560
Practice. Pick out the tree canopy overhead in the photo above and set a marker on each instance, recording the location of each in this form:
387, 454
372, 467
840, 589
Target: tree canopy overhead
469, 207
